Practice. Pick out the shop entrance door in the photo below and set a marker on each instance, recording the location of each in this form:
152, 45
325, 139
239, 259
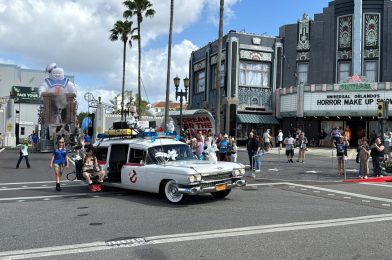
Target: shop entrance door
358, 131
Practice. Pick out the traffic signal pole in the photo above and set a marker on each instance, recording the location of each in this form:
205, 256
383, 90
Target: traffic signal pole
382, 115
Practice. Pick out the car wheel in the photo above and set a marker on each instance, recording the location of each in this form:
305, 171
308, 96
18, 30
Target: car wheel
221, 194
172, 194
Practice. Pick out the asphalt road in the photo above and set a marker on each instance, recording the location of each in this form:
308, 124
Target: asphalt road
290, 211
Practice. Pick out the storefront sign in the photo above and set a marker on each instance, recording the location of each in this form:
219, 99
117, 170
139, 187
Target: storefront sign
355, 86
196, 123
348, 101
26, 95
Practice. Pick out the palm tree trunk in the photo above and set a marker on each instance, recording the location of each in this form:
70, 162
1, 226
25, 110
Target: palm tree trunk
169, 47
139, 78
123, 82
218, 65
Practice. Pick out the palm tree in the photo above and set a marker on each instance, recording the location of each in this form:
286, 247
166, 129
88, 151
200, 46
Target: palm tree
122, 30
218, 68
169, 63
139, 8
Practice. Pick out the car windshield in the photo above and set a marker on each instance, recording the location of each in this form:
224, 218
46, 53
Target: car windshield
164, 153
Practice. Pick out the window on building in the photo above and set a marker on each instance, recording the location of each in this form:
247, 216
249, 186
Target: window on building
22, 131
200, 83
302, 71
344, 71
222, 76
255, 74
370, 70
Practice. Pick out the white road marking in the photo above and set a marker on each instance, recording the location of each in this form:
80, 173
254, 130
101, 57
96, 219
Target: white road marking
274, 170
337, 192
40, 187
347, 198
34, 182
376, 184
311, 171
51, 196
316, 191
46, 199
331, 194
182, 237
2, 149
20, 200
351, 170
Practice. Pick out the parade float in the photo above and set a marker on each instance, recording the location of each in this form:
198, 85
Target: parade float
58, 113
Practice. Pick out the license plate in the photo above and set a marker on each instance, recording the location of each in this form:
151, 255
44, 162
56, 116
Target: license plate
220, 187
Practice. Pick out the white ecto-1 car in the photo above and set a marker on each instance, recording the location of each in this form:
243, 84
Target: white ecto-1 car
166, 166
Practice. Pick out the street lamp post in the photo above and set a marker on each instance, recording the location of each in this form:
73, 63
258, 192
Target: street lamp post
181, 94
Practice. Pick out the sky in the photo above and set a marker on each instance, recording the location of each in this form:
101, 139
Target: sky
75, 35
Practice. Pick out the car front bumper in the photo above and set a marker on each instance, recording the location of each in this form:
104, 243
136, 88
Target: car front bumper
208, 187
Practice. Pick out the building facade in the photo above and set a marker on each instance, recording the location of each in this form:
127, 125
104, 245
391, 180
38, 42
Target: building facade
336, 68
248, 81
320, 73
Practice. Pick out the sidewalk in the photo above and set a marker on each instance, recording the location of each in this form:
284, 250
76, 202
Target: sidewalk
318, 151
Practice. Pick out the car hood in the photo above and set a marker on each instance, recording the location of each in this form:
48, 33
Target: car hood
205, 167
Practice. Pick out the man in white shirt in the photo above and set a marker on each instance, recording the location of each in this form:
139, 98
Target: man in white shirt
280, 139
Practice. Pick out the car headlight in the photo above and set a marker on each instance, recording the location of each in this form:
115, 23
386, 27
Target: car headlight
194, 178
236, 172
191, 178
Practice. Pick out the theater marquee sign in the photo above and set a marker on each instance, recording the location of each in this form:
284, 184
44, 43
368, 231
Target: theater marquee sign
352, 103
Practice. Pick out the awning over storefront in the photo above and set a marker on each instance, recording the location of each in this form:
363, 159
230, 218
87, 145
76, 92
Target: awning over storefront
257, 119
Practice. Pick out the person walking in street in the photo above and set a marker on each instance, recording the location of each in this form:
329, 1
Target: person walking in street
223, 148
1, 141
388, 139
279, 139
364, 155
321, 138
59, 160
24, 153
340, 148
234, 151
377, 153
302, 141
34, 141
335, 135
251, 148
289, 141
258, 153
267, 140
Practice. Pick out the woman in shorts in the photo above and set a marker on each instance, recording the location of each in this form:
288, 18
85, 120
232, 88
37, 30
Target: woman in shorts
59, 160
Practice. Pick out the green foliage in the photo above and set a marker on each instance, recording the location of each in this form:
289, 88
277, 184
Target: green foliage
388, 164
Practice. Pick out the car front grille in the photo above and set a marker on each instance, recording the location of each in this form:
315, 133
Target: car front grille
220, 176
